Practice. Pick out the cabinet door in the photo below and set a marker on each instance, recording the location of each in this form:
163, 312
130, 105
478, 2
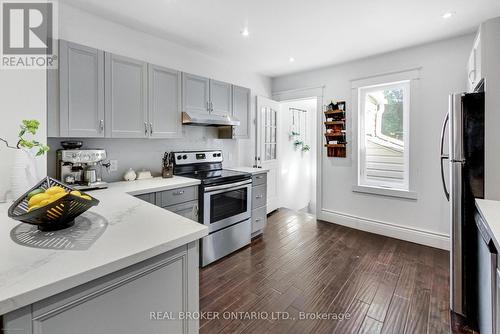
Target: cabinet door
81, 91
164, 102
195, 93
150, 198
188, 210
126, 97
471, 71
241, 110
220, 98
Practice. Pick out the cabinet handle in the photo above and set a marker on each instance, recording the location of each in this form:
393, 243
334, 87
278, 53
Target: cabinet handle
257, 220
211, 107
151, 128
259, 177
145, 128
101, 125
208, 106
180, 192
259, 196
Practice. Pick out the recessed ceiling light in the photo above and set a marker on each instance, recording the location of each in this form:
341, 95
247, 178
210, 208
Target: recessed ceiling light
447, 15
291, 59
244, 32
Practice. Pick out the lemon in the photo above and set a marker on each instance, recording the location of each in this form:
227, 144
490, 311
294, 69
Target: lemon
45, 202
76, 193
57, 196
34, 192
36, 199
87, 197
55, 190
34, 207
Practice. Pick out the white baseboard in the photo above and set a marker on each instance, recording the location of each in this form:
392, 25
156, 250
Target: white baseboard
418, 236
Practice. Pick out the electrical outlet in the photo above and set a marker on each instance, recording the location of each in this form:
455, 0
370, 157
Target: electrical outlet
114, 165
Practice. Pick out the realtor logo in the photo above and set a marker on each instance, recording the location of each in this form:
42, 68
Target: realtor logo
27, 35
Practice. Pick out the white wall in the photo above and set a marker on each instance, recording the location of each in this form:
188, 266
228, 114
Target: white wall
22, 96
297, 185
424, 220
79, 26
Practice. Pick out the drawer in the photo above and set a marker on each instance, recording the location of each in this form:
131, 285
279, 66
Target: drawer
259, 219
259, 197
223, 242
188, 210
150, 198
259, 179
176, 196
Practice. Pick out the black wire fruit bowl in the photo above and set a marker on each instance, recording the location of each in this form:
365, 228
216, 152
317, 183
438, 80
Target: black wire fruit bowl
56, 215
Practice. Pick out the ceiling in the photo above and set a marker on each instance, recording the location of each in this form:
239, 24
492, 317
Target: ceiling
314, 32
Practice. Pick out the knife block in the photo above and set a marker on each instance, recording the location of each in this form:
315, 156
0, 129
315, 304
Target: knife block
167, 172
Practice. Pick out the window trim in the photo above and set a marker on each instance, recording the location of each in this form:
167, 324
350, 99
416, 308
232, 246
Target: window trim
413, 76
362, 92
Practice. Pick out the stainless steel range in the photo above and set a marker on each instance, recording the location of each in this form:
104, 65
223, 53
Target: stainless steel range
225, 202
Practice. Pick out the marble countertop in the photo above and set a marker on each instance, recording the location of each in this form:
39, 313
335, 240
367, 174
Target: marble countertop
490, 211
126, 231
250, 170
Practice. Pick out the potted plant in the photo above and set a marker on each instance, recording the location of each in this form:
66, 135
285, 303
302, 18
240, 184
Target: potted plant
24, 170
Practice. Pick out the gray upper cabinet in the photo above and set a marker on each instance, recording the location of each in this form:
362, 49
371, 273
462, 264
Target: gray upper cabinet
220, 98
126, 97
241, 110
195, 93
164, 102
81, 91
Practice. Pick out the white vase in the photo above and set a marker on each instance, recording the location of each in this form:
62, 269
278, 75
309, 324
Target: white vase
24, 173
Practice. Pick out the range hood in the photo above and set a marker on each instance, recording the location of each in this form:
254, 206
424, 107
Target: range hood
203, 119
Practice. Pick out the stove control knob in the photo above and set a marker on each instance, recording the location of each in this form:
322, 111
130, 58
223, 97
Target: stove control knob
179, 157
214, 155
219, 154
184, 157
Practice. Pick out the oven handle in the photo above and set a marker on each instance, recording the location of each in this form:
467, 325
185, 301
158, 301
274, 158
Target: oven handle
227, 186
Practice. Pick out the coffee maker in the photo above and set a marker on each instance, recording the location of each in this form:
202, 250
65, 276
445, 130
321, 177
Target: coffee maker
81, 168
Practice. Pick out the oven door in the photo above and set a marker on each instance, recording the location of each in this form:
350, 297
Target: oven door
227, 204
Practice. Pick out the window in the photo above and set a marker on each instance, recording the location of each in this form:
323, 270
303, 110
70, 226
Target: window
383, 144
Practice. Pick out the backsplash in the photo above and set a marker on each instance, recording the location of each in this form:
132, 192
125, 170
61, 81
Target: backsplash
148, 153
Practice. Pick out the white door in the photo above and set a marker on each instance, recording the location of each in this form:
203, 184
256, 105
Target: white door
267, 154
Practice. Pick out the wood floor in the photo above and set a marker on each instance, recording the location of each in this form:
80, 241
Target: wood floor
301, 266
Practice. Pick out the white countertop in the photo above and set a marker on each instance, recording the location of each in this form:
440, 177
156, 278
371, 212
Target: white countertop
490, 211
139, 187
136, 231
250, 170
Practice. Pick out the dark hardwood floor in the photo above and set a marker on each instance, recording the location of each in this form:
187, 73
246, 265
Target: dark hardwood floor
301, 266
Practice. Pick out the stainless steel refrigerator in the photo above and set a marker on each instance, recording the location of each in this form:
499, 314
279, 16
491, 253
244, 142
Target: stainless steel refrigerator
463, 158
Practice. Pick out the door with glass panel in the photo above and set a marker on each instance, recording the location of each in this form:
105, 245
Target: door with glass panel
267, 154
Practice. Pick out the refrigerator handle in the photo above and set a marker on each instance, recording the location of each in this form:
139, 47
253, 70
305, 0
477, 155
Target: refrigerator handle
443, 155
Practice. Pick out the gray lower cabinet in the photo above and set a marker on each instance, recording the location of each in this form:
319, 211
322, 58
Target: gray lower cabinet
259, 200
220, 98
176, 196
144, 298
195, 93
126, 97
75, 92
164, 107
188, 210
181, 201
241, 110
150, 198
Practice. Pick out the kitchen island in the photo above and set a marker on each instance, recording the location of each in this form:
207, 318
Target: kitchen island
122, 268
